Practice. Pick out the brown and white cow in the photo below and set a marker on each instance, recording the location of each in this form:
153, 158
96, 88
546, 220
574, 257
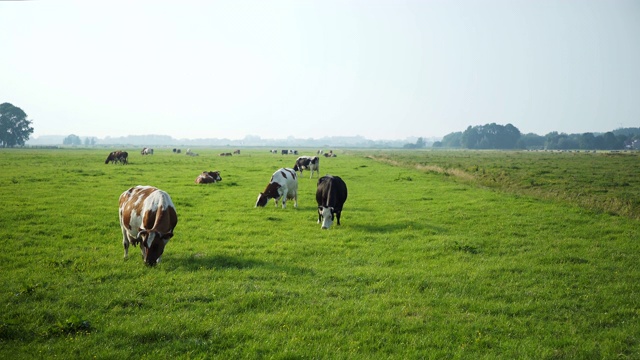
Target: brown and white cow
283, 184
147, 217
330, 196
118, 157
208, 177
311, 163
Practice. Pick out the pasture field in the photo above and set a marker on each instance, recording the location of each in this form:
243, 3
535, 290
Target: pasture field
603, 181
425, 265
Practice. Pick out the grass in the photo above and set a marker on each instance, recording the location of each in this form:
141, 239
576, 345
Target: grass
425, 264
604, 181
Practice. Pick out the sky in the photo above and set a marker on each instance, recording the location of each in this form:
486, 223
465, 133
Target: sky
382, 69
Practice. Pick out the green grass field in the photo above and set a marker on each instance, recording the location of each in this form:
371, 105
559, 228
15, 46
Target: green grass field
425, 264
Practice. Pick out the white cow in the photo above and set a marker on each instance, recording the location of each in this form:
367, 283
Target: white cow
283, 184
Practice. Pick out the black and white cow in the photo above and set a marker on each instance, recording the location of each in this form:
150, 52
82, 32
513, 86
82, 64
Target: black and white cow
311, 163
283, 184
330, 195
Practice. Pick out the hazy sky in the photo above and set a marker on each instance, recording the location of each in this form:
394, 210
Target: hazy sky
383, 69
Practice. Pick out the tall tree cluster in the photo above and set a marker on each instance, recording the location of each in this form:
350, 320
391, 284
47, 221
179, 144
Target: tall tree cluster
14, 126
494, 136
490, 136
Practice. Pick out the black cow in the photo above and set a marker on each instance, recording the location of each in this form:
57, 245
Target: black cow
118, 157
330, 195
311, 163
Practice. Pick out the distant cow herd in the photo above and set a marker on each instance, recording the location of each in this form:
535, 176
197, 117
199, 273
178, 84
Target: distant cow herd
148, 216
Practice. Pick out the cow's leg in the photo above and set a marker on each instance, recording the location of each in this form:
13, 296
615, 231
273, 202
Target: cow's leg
125, 243
338, 216
283, 191
295, 199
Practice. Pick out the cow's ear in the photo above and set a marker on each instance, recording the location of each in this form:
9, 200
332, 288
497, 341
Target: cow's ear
167, 236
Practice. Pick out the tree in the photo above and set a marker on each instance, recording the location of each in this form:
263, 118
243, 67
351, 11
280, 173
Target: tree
531, 141
491, 136
610, 142
418, 145
72, 140
452, 140
14, 126
587, 141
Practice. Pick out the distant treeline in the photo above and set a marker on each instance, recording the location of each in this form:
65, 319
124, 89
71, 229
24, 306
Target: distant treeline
494, 136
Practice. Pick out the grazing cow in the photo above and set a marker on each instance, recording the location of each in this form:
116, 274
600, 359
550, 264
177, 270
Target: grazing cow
285, 152
236, 152
311, 163
330, 196
208, 177
225, 154
111, 157
123, 157
147, 217
117, 157
283, 184
146, 151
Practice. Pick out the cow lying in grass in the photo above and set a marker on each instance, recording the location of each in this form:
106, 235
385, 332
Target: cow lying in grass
208, 177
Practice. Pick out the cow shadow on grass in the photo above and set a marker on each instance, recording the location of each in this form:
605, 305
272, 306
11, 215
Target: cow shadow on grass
196, 262
399, 226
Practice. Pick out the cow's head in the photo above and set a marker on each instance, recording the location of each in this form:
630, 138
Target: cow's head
326, 212
262, 200
215, 175
152, 244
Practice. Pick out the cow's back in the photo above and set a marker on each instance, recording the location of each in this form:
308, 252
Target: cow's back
286, 177
331, 192
139, 208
